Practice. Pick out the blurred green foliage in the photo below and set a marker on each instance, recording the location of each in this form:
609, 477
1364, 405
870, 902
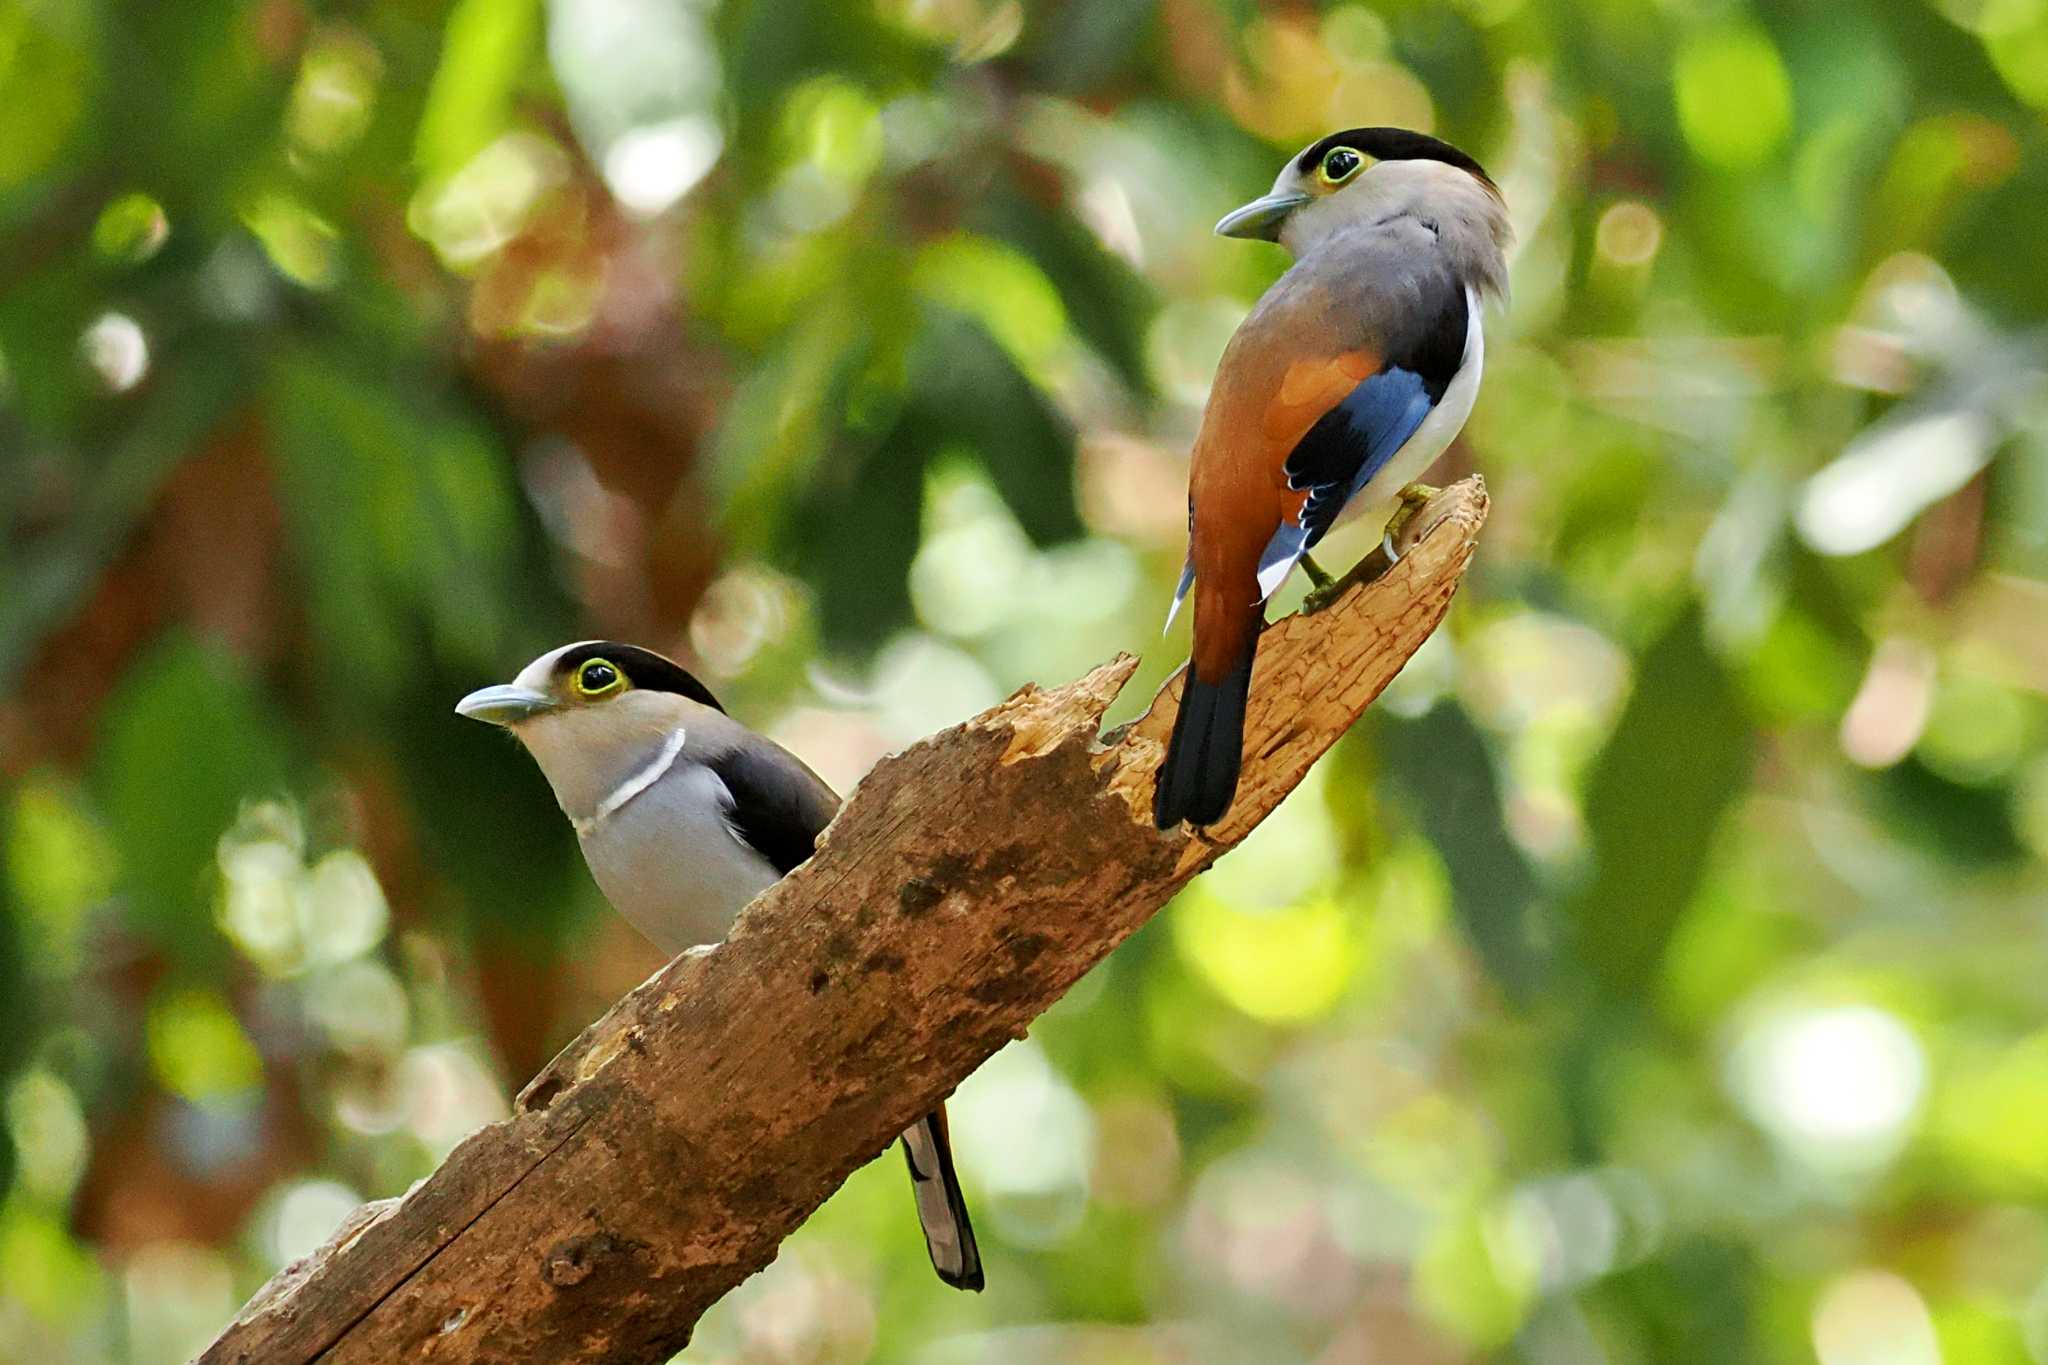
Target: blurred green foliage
1655, 977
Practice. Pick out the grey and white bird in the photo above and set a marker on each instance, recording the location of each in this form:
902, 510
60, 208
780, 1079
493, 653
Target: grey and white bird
1347, 379
684, 816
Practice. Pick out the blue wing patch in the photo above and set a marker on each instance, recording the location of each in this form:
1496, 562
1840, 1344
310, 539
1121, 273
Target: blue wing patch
1347, 446
1277, 560
1353, 441
1180, 594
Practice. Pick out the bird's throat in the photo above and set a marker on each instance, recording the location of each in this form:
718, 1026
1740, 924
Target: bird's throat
646, 776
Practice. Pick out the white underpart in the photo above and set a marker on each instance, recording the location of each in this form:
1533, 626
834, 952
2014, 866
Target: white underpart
657, 768
1419, 451
1437, 431
669, 863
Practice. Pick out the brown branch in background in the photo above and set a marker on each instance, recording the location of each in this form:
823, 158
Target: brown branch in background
971, 880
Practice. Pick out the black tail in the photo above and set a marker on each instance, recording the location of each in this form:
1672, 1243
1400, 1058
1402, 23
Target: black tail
941, 1208
1199, 777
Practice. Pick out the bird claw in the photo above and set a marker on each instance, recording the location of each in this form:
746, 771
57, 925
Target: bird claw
1324, 591
1322, 597
1413, 499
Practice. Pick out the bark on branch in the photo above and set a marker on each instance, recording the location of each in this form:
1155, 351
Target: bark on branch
969, 882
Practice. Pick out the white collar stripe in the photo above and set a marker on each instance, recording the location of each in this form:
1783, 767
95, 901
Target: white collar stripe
639, 782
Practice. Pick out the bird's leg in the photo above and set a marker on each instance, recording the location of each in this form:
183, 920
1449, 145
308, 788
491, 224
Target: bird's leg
1413, 499
1324, 591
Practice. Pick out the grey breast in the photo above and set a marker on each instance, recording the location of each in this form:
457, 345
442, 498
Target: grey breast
670, 861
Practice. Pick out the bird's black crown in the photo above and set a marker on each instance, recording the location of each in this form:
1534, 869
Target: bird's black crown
643, 668
1392, 144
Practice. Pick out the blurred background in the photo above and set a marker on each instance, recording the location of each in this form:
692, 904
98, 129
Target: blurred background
1658, 974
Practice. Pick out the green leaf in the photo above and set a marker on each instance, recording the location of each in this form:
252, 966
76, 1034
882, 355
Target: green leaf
855, 532
187, 739
50, 575
1960, 824
966, 390
1108, 302
401, 514
1442, 762
485, 51
856, 525
1679, 757
783, 424
47, 80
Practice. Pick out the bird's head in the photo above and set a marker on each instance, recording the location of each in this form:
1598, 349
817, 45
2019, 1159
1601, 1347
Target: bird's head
592, 712
1363, 174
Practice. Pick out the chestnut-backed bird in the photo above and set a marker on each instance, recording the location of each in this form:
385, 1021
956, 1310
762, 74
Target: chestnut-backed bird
1347, 379
684, 816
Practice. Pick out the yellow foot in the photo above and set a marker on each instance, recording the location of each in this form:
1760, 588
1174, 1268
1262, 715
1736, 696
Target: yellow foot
1326, 590
1413, 499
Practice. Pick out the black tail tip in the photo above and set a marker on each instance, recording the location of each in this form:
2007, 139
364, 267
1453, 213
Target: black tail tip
1198, 780
1203, 800
970, 1280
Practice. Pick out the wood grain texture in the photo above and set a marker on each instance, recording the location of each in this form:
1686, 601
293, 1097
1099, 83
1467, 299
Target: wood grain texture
973, 878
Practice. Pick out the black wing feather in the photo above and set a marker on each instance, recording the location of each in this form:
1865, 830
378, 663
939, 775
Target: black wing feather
1355, 439
778, 805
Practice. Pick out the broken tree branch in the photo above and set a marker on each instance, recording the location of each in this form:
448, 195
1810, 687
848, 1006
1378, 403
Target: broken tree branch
973, 878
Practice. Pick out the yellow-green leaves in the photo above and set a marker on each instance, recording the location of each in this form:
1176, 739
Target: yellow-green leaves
130, 229
483, 58
46, 79
198, 1049
1278, 966
1734, 98
1000, 288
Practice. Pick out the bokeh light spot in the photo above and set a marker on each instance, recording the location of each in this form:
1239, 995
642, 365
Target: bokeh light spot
1976, 730
51, 1141
307, 1215
1629, 234
1890, 475
335, 95
1734, 98
483, 205
1873, 1317
1026, 1138
131, 229
1280, 966
117, 351
651, 167
1838, 1085
199, 1050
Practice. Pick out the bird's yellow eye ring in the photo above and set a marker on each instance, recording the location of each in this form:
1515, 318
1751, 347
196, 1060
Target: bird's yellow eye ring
1339, 165
598, 677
